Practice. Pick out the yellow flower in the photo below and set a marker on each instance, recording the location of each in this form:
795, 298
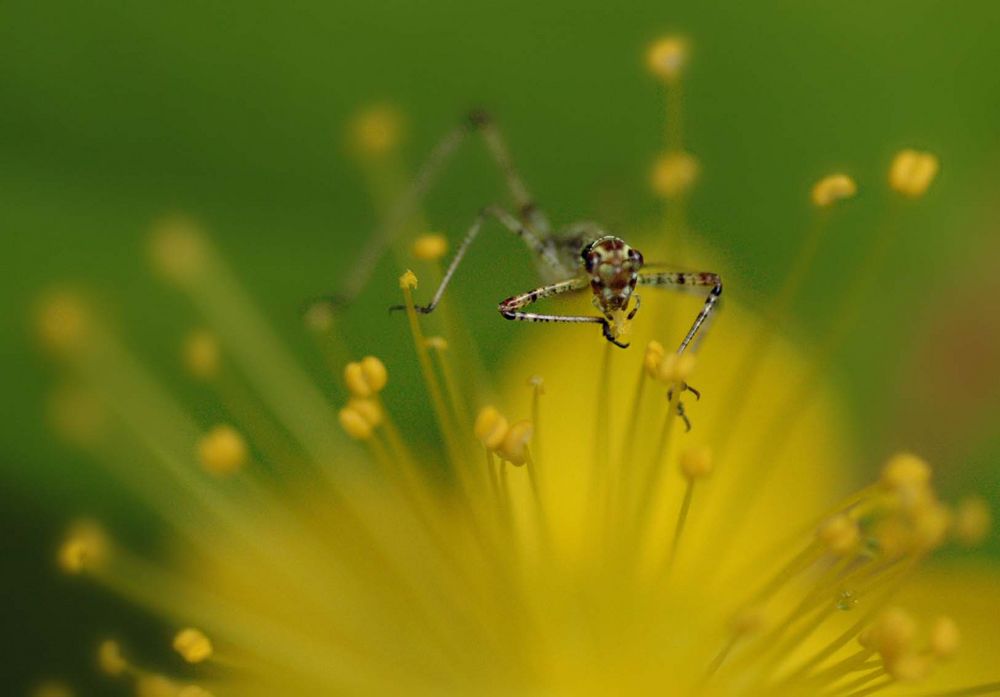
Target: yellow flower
568, 538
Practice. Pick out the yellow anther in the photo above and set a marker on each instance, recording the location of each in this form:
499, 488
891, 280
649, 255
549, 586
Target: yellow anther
366, 377
408, 280
696, 462
514, 448
907, 667
906, 472
178, 249
833, 188
62, 323
193, 645
438, 343
430, 247
490, 427
667, 57
538, 383
369, 409
86, 547
223, 451
155, 686
840, 534
674, 174
945, 637
912, 172
893, 633
930, 526
110, 659
676, 368
319, 317
377, 130
201, 354
972, 521
355, 424
653, 358
52, 688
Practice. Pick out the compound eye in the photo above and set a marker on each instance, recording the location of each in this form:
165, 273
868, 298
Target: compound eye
589, 259
636, 256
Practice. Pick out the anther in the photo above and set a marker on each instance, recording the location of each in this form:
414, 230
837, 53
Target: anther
376, 131
833, 188
222, 451
490, 428
514, 448
840, 534
408, 280
667, 57
676, 368
653, 358
905, 472
193, 645
366, 377
430, 247
912, 172
972, 520
110, 659
62, 323
696, 462
355, 424
944, 638
178, 249
674, 174
201, 355
86, 547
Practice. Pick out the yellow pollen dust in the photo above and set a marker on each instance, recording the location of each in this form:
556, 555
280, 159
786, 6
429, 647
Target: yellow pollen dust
912, 172
674, 174
514, 448
696, 462
193, 645
490, 428
833, 188
223, 451
667, 57
110, 659
85, 547
201, 354
430, 247
366, 377
377, 130
178, 249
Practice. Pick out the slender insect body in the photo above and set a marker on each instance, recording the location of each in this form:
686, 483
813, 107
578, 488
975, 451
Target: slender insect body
581, 256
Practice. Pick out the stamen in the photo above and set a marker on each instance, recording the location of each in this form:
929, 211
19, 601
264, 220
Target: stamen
833, 188
667, 57
972, 521
695, 463
201, 355
365, 378
110, 659
86, 548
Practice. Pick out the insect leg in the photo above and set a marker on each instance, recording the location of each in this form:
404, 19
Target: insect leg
681, 279
511, 308
509, 222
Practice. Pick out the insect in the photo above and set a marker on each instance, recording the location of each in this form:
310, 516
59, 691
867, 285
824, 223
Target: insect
579, 257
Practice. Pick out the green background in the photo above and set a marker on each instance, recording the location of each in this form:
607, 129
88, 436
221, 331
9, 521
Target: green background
112, 113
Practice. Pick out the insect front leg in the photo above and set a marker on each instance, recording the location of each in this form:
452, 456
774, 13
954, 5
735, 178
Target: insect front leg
535, 244
679, 279
512, 307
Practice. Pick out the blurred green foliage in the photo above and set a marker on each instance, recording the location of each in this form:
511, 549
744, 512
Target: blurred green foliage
113, 113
